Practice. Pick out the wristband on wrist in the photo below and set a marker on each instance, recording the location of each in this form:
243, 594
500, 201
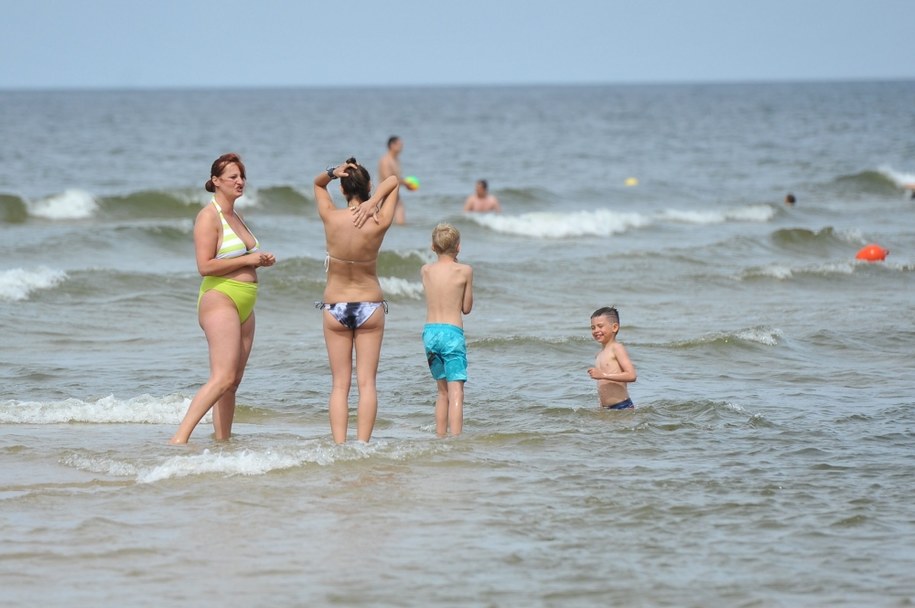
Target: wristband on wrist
330, 173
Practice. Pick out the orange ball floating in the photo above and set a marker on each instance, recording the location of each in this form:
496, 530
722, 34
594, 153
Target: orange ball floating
872, 253
411, 183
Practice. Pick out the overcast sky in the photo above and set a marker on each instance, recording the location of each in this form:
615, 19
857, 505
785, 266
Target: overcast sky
253, 43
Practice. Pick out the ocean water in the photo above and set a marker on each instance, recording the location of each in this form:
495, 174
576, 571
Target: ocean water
769, 461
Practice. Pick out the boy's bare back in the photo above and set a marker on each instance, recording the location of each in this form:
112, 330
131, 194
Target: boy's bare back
449, 290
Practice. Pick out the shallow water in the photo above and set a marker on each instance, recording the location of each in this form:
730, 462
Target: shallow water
768, 462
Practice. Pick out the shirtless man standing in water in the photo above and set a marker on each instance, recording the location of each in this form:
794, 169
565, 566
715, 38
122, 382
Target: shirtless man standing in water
390, 165
481, 199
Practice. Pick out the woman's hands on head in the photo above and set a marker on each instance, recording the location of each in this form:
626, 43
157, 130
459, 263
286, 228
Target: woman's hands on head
341, 169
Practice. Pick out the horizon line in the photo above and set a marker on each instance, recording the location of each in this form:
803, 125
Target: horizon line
479, 85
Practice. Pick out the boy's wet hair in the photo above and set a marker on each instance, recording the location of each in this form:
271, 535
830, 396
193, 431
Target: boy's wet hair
445, 239
607, 311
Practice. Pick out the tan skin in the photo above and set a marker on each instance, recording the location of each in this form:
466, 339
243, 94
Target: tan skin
349, 236
388, 166
229, 340
448, 285
612, 369
481, 200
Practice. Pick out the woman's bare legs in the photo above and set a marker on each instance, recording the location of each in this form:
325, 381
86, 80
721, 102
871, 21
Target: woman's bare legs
340, 343
219, 320
224, 410
368, 352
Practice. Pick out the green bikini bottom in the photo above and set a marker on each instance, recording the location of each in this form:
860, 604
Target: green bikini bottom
244, 295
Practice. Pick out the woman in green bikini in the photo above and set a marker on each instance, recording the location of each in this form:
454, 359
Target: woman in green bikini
227, 255
353, 304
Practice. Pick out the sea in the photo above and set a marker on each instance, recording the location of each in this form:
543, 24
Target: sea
768, 462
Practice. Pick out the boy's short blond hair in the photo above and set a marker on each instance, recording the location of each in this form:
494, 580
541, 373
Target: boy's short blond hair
445, 239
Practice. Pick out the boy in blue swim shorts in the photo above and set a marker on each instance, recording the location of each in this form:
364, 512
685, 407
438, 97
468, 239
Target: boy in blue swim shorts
448, 285
612, 369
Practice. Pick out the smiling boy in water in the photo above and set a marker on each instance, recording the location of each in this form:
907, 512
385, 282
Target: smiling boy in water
612, 367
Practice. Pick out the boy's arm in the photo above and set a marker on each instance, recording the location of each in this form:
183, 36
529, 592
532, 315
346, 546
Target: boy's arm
627, 369
423, 275
467, 303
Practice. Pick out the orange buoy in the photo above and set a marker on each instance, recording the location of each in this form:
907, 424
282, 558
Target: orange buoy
872, 253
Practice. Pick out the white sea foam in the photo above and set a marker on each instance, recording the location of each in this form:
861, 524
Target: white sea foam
250, 199
395, 286
900, 178
600, 222
760, 335
783, 273
201, 197
852, 236
425, 255
604, 222
101, 464
245, 462
774, 271
68, 205
750, 213
142, 409
839, 267
260, 461
18, 283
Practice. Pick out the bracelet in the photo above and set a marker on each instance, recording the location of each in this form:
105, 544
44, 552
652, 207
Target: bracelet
330, 173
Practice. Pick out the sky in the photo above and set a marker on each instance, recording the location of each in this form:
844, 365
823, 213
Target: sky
66, 44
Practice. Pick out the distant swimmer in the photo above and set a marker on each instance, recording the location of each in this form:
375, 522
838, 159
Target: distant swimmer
789, 199
390, 165
481, 200
910, 188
